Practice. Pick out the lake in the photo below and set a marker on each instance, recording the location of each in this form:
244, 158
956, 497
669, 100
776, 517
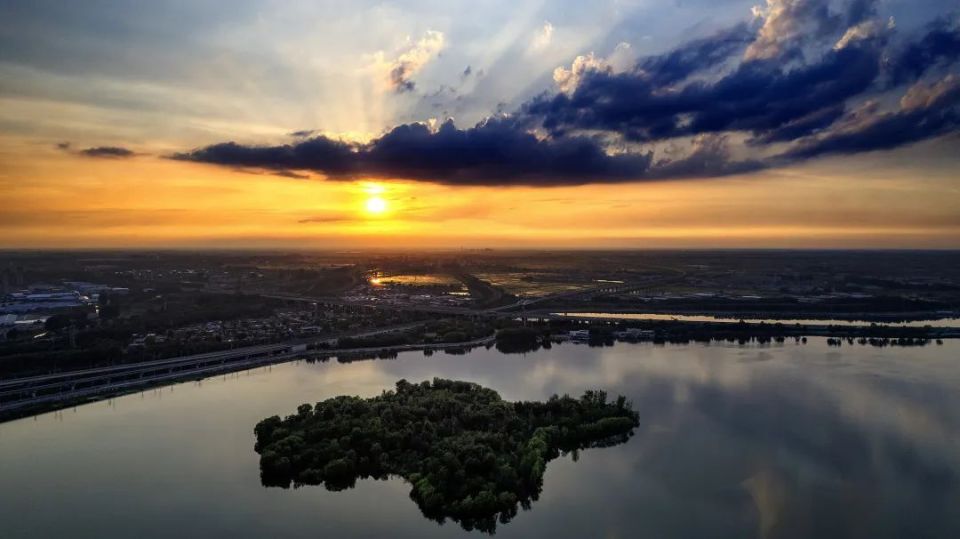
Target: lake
770, 441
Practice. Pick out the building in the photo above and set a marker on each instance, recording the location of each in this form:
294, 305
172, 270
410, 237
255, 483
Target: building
634, 334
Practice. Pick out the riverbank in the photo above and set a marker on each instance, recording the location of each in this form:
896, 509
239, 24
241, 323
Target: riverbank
915, 319
57, 400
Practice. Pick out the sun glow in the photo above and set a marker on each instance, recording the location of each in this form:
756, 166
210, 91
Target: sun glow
376, 205
373, 188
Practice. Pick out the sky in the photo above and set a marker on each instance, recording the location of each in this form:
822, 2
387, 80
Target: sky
500, 124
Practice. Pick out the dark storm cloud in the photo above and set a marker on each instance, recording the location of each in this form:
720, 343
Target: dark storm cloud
940, 45
759, 96
292, 175
495, 151
810, 78
108, 151
860, 10
695, 56
800, 127
709, 157
321, 154
926, 111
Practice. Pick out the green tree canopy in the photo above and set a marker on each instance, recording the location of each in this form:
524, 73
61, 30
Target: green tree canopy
469, 455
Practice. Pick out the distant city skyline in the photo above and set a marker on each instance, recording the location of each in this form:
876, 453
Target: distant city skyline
609, 124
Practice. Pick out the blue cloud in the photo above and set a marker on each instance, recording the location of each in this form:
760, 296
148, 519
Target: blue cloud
806, 81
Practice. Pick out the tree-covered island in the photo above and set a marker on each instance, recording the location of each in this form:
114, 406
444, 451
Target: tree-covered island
470, 456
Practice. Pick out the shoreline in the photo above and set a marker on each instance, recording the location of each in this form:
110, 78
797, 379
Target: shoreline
754, 317
59, 401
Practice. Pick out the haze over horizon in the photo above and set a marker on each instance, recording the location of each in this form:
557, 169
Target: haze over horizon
613, 124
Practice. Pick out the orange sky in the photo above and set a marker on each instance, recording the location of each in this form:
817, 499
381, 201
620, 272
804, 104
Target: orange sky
58, 199
160, 78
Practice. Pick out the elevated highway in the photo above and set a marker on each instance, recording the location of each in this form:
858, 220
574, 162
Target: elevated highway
18, 393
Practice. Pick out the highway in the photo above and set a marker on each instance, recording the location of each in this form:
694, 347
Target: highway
68, 392
29, 391
112, 387
247, 351
117, 369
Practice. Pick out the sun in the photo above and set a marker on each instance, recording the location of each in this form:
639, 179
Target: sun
376, 205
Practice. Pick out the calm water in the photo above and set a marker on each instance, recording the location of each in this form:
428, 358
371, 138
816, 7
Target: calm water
939, 322
777, 441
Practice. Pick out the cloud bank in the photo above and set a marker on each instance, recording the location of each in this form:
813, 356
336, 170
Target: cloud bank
803, 79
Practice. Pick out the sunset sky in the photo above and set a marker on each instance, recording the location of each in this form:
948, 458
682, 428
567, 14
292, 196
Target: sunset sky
620, 123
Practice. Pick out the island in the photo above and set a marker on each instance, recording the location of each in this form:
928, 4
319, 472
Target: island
469, 455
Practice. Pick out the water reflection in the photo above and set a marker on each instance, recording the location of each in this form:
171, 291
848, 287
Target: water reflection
755, 441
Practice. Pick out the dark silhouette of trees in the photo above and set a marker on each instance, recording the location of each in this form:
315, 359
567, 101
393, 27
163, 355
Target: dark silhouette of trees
518, 340
109, 306
57, 322
469, 455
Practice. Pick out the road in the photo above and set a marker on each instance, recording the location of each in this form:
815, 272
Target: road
26, 391
29, 403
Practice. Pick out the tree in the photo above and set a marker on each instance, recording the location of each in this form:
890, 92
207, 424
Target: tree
57, 322
468, 455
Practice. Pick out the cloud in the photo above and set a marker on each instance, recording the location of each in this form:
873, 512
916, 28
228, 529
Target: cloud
799, 127
303, 133
568, 80
114, 152
695, 55
327, 218
788, 24
865, 30
758, 96
939, 46
291, 174
927, 96
321, 154
808, 78
710, 156
926, 111
495, 151
398, 73
542, 38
